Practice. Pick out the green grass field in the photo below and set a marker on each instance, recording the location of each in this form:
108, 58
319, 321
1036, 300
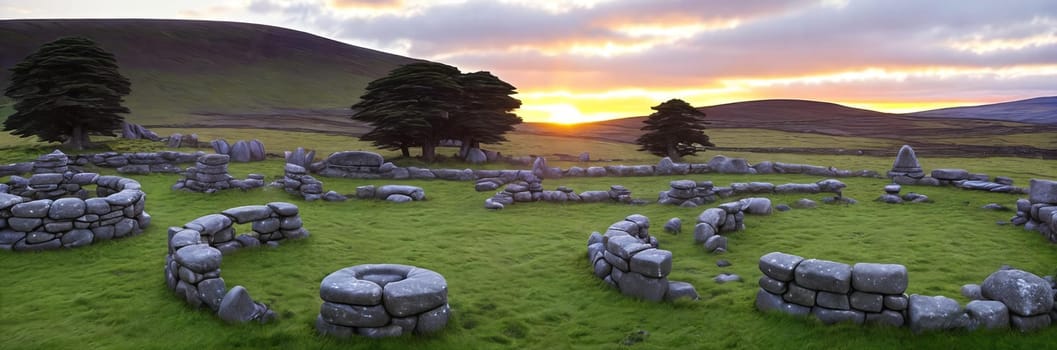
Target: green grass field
518, 278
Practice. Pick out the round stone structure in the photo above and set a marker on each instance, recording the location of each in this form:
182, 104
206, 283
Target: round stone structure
53, 210
382, 300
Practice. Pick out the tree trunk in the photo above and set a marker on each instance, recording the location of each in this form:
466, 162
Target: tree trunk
467, 143
429, 151
672, 152
77, 138
404, 151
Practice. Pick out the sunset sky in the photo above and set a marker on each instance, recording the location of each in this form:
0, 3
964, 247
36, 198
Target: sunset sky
583, 60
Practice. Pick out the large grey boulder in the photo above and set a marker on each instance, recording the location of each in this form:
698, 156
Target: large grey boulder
950, 174
422, 290
927, 313
728, 165
636, 285
907, 162
355, 159
679, 290
414, 192
880, 278
200, 258
1042, 191
655, 263
1025, 294
757, 206
476, 156
987, 314
238, 307
240, 152
824, 275
256, 150
779, 266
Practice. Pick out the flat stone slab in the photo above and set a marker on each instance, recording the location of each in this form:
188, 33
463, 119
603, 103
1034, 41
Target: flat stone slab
880, 278
824, 275
779, 266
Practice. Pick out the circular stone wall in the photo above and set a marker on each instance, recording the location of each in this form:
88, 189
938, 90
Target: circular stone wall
52, 211
382, 300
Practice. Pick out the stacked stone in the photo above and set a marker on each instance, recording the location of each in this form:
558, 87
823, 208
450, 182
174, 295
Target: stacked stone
891, 196
192, 266
382, 300
726, 218
29, 225
392, 193
528, 190
351, 164
210, 174
691, 194
52, 163
241, 151
626, 257
833, 292
1039, 211
140, 163
768, 167
297, 181
490, 180
177, 140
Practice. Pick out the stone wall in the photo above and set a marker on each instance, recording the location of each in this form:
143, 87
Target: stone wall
529, 188
693, 193
392, 193
1038, 212
626, 257
382, 300
241, 151
210, 174
38, 214
297, 181
192, 265
726, 218
869, 293
833, 292
906, 170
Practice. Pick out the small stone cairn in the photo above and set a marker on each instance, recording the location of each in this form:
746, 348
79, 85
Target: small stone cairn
192, 266
297, 181
727, 218
382, 300
626, 257
833, 292
1038, 212
210, 174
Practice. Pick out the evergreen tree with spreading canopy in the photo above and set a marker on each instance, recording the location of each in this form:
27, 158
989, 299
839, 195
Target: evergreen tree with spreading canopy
420, 104
66, 90
675, 130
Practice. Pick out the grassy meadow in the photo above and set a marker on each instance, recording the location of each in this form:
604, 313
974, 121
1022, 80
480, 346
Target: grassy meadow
519, 278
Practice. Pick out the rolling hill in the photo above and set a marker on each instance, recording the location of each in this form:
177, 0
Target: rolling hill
191, 72
1040, 110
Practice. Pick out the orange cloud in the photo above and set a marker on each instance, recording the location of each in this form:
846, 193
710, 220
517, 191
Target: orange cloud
367, 4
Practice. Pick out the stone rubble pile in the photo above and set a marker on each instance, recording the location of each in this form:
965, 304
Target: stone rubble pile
382, 300
296, 181
177, 140
626, 257
240, 151
210, 174
192, 265
694, 193
876, 294
729, 217
891, 196
1038, 212
38, 214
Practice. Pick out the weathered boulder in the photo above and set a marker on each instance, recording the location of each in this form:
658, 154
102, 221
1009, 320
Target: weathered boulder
728, 165
950, 174
824, 275
238, 307
880, 278
1042, 191
476, 156
1025, 294
780, 266
987, 314
927, 313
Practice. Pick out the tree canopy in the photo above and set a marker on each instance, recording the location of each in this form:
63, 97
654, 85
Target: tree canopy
420, 104
66, 90
675, 130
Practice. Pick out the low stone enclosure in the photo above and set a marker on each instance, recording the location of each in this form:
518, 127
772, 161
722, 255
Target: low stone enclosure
694, 193
906, 170
626, 258
1039, 211
869, 293
210, 174
729, 217
192, 266
52, 210
382, 300
296, 181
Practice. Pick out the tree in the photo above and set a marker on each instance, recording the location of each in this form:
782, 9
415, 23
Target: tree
420, 104
410, 106
675, 130
486, 112
68, 89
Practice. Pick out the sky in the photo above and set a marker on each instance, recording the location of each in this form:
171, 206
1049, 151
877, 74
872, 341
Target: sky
585, 60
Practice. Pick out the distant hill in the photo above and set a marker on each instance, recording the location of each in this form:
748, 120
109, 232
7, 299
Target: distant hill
188, 72
1040, 110
801, 116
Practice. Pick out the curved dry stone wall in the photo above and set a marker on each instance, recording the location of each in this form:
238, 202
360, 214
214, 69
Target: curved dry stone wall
52, 210
726, 218
691, 193
626, 257
296, 181
192, 266
1039, 211
210, 174
382, 300
529, 188
869, 293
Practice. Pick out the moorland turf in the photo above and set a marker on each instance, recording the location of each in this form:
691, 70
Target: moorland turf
518, 278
